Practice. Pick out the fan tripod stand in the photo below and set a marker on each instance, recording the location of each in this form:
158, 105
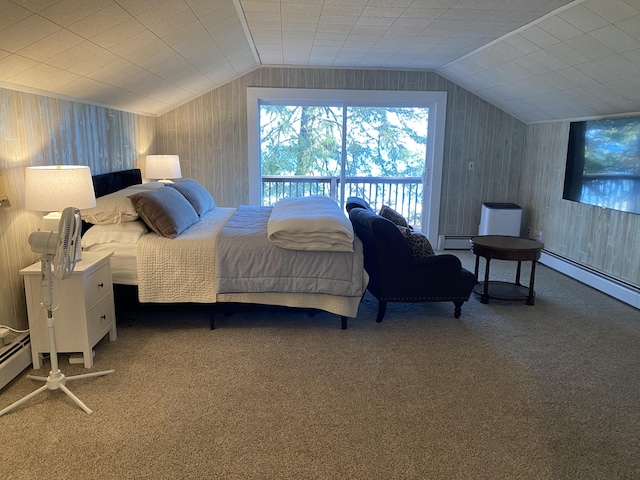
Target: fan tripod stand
56, 379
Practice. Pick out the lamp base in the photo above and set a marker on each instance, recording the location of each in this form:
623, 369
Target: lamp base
51, 221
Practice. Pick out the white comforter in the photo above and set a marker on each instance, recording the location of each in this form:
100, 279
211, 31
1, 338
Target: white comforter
181, 269
311, 224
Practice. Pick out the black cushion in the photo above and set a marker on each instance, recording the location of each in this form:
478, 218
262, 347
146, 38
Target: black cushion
355, 202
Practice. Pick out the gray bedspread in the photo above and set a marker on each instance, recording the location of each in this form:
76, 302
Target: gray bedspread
246, 261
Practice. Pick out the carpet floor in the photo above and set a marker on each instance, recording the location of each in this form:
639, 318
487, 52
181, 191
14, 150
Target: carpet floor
508, 391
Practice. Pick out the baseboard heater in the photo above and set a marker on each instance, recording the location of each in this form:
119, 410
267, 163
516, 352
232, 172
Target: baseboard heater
14, 358
622, 291
454, 242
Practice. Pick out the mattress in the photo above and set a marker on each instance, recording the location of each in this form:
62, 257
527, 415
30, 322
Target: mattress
123, 262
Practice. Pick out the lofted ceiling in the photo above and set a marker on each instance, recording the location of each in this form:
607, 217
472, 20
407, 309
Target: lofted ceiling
540, 60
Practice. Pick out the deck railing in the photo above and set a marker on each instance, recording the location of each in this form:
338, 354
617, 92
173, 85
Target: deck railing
400, 193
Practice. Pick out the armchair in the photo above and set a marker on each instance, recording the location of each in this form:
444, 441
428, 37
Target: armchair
394, 276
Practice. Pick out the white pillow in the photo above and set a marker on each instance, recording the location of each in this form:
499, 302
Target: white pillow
146, 186
126, 232
116, 207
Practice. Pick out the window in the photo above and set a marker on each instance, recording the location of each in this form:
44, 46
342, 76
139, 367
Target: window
384, 146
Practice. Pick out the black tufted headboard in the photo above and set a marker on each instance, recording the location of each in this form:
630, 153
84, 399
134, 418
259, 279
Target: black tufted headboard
107, 183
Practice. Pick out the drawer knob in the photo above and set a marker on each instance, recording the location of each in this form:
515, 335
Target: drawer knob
103, 317
101, 285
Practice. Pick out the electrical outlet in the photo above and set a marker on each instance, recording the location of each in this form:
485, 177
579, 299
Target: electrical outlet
529, 232
540, 235
4, 332
472, 165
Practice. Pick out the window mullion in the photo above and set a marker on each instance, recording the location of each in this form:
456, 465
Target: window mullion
343, 160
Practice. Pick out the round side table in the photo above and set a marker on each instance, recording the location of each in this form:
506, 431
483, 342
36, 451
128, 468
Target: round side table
503, 247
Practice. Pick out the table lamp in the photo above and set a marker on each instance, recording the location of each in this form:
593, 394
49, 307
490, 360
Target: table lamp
163, 167
52, 188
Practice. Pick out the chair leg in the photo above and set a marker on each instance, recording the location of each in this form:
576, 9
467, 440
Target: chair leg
457, 308
382, 308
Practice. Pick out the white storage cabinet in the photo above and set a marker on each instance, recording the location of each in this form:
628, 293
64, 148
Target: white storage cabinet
500, 219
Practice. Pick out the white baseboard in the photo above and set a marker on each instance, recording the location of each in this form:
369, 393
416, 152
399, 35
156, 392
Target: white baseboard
617, 289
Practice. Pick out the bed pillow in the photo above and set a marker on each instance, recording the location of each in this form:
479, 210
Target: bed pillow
110, 209
165, 211
390, 214
126, 232
146, 186
116, 207
198, 196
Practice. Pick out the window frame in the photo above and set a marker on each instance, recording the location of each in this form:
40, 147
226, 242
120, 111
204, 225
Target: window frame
435, 101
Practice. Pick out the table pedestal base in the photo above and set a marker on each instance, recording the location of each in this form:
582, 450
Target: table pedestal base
504, 291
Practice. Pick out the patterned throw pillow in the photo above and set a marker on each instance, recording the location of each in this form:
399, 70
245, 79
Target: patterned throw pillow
393, 216
418, 243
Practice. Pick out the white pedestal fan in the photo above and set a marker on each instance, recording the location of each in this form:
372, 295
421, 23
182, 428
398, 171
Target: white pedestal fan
58, 253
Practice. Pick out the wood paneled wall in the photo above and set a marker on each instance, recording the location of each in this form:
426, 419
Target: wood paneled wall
605, 240
38, 130
210, 135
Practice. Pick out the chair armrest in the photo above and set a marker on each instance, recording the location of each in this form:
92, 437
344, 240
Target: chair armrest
442, 261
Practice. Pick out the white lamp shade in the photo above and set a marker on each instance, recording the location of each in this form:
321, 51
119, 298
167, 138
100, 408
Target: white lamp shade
56, 187
162, 166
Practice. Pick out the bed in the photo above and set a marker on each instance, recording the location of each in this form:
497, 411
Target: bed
226, 255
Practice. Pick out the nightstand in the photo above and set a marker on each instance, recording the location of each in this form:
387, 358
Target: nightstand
83, 308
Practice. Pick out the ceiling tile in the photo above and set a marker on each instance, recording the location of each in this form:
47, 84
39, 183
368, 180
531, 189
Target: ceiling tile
522, 44
42, 76
582, 18
12, 13
93, 63
590, 47
597, 71
143, 40
631, 26
100, 21
67, 12
137, 7
576, 77
115, 73
118, 33
539, 37
611, 10
566, 54
13, 65
633, 56
50, 46
559, 28
273, 7
25, 32
75, 55
629, 88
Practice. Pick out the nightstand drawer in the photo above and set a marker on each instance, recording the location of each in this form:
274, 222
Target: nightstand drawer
97, 286
100, 319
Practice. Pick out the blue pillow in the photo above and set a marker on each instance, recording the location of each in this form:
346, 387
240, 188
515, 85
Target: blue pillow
198, 196
165, 211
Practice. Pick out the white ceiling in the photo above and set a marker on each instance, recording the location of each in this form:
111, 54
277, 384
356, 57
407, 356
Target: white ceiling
539, 60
